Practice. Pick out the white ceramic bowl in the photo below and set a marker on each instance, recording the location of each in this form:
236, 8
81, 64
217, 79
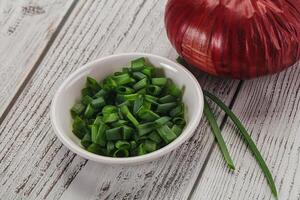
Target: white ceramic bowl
70, 92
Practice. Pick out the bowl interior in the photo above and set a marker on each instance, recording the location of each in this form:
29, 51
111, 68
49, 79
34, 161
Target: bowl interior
70, 92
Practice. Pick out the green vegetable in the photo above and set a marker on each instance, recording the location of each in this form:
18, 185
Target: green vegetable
131, 112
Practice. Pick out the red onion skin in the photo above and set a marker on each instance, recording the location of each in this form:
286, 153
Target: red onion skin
240, 39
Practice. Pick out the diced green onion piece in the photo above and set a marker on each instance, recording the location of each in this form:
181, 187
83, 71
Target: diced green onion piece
131, 97
166, 107
138, 103
86, 140
95, 148
77, 109
133, 145
150, 146
153, 90
141, 84
138, 64
114, 134
142, 91
98, 103
162, 121
154, 136
98, 134
127, 132
109, 83
122, 79
167, 99
89, 111
87, 92
159, 81
86, 100
101, 93
174, 90
119, 123
138, 75
141, 150
166, 134
121, 153
151, 99
110, 146
109, 109
98, 120
93, 84
127, 113
79, 127
111, 117
145, 128
124, 90
147, 115
149, 71
176, 129
122, 144
179, 121
177, 111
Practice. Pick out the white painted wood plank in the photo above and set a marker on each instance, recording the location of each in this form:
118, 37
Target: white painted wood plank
26, 27
35, 165
270, 109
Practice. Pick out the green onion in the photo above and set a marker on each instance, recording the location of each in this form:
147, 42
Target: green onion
131, 112
154, 136
166, 107
150, 146
153, 90
217, 132
114, 134
121, 153
159, 81
138, 64
166, 134
77, 109
141, 84
86, 140
141, 150
167, 99
89, 111
248, 140
98, 103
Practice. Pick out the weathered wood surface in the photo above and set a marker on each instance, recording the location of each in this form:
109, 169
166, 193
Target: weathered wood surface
34, 162
270, 109
26, 29
35, 165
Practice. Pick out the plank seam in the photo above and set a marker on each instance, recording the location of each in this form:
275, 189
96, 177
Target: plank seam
214, 144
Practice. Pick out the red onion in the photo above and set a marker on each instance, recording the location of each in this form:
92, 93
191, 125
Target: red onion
235, 38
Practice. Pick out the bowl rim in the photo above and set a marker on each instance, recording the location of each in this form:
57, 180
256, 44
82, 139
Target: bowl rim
185, 135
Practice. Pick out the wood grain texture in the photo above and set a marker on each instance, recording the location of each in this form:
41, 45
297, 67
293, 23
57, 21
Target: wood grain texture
270, 109
35, 165
26, 29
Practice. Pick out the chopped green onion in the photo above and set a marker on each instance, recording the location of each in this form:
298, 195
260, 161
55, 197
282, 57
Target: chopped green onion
122, 79
121, 153
141, 150
86, 100
154, 136
162, 121
167, 99
141, 84
77, 109
166, 134
125, 90
166, 107
150, 146
145, 128
98, 103
179, 121
111, 117
147, 115
159, 81
174, 90
89, 111
93, 84
114, 134
138, 64
153, 90
109, 109
95, 148
138, 75
177, 111
86, 140
122, 144
176, 129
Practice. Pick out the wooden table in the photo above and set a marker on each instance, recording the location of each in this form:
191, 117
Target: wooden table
42, 42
